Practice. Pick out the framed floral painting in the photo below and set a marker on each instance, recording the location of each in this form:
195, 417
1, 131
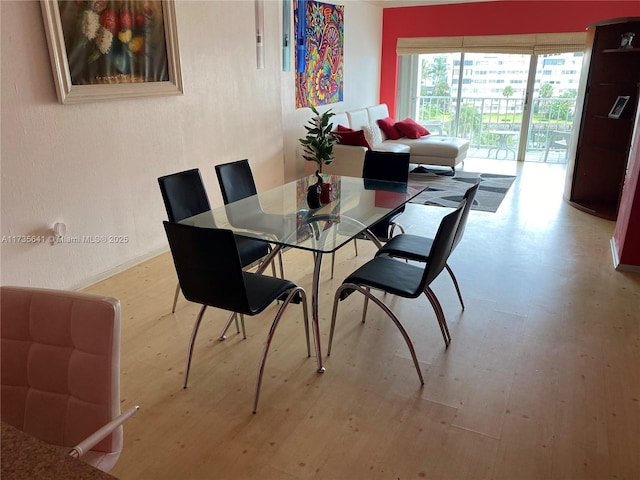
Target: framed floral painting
106, 49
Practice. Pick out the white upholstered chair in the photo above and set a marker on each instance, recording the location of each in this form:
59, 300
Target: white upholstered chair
61, 370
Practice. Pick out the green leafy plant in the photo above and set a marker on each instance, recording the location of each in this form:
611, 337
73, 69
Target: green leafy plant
318, 144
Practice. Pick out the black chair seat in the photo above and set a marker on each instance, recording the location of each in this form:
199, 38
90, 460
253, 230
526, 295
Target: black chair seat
411, 247
250, 250
392, 276
263, 290
381, 228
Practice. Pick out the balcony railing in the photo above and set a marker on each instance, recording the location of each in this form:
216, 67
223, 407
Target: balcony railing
479, 116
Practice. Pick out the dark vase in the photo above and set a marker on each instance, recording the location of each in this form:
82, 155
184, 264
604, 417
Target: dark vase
314, 191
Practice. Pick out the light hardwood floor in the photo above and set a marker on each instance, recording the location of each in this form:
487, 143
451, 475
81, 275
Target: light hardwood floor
541, 381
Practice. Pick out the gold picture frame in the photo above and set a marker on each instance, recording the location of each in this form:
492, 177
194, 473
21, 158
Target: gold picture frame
113, 52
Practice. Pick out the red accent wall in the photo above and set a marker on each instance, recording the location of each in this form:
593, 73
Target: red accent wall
486, 18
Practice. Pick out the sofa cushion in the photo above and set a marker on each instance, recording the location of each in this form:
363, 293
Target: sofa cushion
410, 128
340, 119
373, 134
435, 146
392, 147
354, 137
377, 112
387, 126
358, 119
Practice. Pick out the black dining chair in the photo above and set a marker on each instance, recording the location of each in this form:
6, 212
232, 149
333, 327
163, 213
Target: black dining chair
403, 279
213, 277
237, 183
417, 247
391, 167
184, 196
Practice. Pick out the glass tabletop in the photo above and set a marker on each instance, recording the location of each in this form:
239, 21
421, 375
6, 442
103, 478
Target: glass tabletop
282, 216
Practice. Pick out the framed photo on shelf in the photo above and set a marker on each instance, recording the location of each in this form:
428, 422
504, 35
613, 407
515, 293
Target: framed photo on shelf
618, 106
111, 49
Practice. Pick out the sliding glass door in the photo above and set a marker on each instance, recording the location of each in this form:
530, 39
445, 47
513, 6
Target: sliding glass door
553, 107
509, 106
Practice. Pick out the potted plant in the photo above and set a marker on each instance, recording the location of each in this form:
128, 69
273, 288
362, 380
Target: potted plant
317, 145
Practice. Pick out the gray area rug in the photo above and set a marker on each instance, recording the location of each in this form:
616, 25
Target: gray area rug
447, 191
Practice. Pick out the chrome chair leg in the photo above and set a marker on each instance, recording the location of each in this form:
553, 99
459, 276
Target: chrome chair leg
232, 316
333, 261
281, 263
367, 293
334, 312
435, 303
455, 283
333, 256
175, 298
274, 273
244, 332
272, 330
366, 305
192, 342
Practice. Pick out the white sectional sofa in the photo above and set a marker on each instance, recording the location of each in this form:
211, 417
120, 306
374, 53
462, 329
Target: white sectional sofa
428, 150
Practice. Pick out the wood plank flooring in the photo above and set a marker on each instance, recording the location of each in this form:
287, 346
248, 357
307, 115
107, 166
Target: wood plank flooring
541, 381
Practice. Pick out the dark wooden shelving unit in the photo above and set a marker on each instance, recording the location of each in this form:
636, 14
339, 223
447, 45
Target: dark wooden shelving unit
598, 160
620, 50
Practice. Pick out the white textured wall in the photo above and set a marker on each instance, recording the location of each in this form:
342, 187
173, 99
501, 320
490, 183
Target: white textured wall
94, 166
362, 50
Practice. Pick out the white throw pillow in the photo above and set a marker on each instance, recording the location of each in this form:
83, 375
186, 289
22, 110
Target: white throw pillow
373, 134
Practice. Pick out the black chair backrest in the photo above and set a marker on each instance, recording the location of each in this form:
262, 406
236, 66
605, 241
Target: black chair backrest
442, 244
236, 180
392, 167
469, 196
184, 194
208, 266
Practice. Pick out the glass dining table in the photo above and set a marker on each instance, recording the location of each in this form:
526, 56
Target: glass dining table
281, 217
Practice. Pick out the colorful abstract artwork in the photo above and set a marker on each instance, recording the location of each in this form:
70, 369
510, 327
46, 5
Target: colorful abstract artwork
319, 56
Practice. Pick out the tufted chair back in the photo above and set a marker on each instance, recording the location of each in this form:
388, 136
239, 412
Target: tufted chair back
61, 367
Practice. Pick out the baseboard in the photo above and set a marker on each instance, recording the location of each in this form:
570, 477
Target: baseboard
628, 268
120, 268
621, 267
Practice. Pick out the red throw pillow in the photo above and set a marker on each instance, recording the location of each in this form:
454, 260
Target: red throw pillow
411, 129
353, 137
387, 126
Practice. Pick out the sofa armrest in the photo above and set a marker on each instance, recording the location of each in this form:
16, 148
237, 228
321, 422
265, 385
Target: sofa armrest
348, 161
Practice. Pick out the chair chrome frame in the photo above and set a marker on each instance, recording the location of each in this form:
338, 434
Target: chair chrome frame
263, 359
214, 277
415, 247
383, 273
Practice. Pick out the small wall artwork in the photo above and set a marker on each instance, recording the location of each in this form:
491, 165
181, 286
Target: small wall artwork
319, 55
